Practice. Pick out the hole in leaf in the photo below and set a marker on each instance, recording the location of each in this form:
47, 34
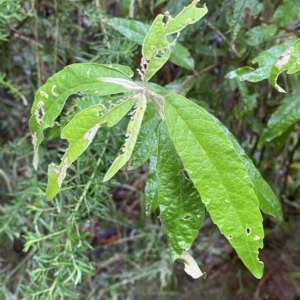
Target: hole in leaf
187, 217
160, 53
230, 237
248, 230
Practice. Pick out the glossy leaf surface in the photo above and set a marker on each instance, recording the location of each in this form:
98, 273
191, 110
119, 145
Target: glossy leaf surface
219, 175
181, 210
80, 132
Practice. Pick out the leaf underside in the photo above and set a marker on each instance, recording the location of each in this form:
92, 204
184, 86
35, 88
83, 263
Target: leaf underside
51, 97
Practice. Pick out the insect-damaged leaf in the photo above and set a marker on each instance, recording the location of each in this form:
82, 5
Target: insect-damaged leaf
288, 61
132, 132
80, 132
136, 31
265, 60
219, 175
161, 36
181, 210
51, 97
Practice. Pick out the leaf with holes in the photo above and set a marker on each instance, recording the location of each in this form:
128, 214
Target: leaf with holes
288, 61
286, 115
136, 32
51, 97
219, 175
268, 201
80, 132
132, 132
157, 44
181, 210
265, 60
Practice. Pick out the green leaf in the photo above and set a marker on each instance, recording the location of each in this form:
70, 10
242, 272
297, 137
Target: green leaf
176, 84
239, 10
289, 60
132, 132
265, 60
156, 46
219, 175
151, 193
181, 210
259, 34
286, 115
51, 97
136, 31
268, 201
146, 143
287, 13
80, 132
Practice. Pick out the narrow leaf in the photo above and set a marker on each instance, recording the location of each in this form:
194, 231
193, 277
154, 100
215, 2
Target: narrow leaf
219, 175
132, 132
151, 193
80, 132
181, 210
146, 143
51, 97
286, 115
156, 47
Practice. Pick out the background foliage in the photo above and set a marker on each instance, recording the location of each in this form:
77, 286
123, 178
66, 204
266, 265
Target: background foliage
94, 241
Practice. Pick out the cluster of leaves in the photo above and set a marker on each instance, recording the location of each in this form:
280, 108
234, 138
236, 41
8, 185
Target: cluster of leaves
233, 36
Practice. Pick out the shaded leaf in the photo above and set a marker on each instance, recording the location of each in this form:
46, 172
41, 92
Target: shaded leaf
259, 34
219, 175
287, 13
286, 115
151, 193
181, 210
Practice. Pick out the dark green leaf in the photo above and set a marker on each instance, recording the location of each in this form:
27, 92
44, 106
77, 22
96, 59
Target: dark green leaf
181, 210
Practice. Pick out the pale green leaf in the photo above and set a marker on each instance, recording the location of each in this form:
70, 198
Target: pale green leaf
219, 175
151, 193
80, 132
51, 97
181, 210
136, 31
259, 34
288, 61
286, 115
132, 132
156, 46
265, 60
